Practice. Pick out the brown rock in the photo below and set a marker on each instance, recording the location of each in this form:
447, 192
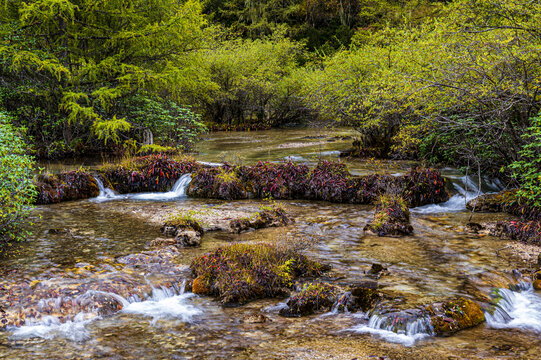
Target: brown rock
200, 286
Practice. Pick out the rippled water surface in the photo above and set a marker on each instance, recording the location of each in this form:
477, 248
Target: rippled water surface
433, 264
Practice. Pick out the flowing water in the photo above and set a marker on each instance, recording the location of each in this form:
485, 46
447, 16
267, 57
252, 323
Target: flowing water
83, 242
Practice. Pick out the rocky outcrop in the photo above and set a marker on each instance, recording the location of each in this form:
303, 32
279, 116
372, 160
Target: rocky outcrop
320, 297
217, 183
492, 202
240, 272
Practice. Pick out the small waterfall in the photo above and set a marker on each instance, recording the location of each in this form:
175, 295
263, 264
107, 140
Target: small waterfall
458, 201
519, 309
105, 193
400, 328
178, 191
163, 303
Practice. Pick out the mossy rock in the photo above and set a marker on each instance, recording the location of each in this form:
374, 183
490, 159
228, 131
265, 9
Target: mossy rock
492, 202
391, 217
313, 297
67, 186
453, 316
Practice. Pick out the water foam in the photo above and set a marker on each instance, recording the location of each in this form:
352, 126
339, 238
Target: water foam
163, 303
50, 327
387, 328
457, 202
178, 191
516, 309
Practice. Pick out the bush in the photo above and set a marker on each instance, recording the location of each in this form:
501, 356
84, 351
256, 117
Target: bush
331, 181
72, 185
242, 272
528, 170
16, 187
392, 217
156, 172
278, 181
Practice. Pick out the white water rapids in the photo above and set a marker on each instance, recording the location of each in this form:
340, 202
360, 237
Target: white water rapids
178, 191
163, 303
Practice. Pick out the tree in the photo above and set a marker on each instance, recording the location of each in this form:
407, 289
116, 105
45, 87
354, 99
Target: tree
75, 61
250, 82
16, 185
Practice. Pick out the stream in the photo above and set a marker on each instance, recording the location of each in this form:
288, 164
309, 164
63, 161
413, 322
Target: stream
81, 242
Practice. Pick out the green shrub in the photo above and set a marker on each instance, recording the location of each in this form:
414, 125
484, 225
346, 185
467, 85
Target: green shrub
16, 186
528, 169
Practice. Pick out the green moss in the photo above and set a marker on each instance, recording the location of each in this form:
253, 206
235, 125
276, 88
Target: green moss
227, 177
313, 297
187, 219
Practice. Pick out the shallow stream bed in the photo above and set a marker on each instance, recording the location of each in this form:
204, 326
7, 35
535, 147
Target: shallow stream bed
435, 263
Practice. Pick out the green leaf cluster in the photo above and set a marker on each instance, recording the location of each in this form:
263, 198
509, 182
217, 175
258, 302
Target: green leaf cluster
16, 186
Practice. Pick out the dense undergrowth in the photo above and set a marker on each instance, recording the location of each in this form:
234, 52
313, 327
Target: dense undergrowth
16, 187
240, 272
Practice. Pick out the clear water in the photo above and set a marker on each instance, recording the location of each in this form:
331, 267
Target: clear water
431, 265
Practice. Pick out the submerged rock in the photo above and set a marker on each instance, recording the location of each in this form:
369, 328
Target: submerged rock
365, 295
91, 290
255, 319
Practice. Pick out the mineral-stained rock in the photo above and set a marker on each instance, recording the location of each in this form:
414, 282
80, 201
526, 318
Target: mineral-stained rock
200, 286
537, 280
452, 316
